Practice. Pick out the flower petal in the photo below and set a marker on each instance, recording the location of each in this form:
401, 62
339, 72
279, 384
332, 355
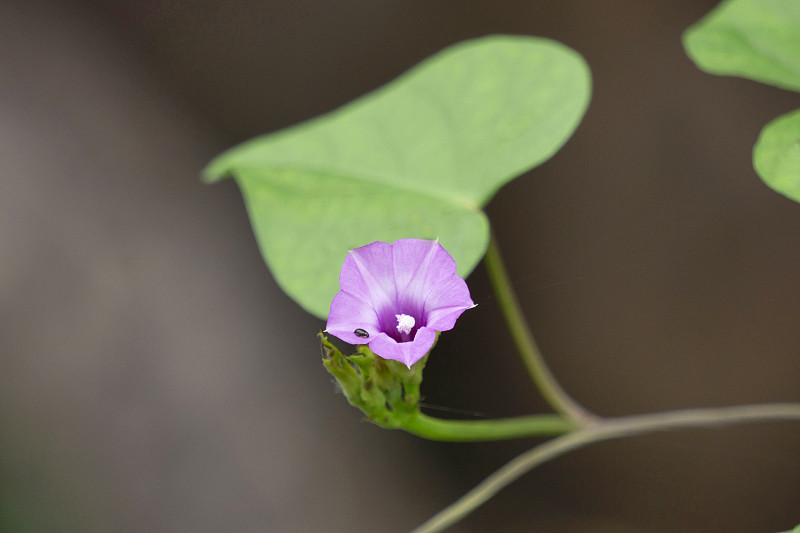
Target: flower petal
368, 274
407, 353
348, 313
381, 282
446, 302
419, 266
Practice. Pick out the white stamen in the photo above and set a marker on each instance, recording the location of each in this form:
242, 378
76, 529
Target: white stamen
405, 323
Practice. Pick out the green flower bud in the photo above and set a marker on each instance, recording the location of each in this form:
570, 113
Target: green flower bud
385, 390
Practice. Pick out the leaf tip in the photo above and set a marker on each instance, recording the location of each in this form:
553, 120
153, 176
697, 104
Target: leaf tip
215, 172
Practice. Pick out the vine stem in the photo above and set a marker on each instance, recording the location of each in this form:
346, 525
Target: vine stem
605, 429
552, 392
432, 428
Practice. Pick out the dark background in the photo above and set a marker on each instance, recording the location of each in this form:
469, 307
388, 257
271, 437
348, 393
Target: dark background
154, 378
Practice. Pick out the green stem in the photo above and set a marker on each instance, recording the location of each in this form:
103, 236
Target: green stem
485, 430
523, 338
611, 428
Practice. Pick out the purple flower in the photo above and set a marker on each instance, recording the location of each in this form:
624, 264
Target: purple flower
395, 297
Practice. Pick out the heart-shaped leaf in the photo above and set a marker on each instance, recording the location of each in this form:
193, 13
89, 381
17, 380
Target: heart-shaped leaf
756, 39
417, 158
776, 155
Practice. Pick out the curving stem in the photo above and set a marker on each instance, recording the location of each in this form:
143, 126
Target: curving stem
523, 338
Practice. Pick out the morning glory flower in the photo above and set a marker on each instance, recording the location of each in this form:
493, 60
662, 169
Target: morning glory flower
395, 297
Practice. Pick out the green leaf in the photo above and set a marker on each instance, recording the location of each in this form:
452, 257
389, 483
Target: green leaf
776, 155
795, 530
756, 39
417, 158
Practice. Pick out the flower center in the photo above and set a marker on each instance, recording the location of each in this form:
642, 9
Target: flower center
405, 323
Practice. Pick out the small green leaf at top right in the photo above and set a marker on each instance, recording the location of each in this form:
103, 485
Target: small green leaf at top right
759, 40
795, 530
755, 39
776, 155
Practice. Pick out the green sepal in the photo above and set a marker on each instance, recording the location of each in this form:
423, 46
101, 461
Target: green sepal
386, 391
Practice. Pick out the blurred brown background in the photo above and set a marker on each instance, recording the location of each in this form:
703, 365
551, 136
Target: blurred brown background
154, 378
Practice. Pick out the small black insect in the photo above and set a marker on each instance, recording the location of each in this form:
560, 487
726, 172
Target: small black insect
361, 333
